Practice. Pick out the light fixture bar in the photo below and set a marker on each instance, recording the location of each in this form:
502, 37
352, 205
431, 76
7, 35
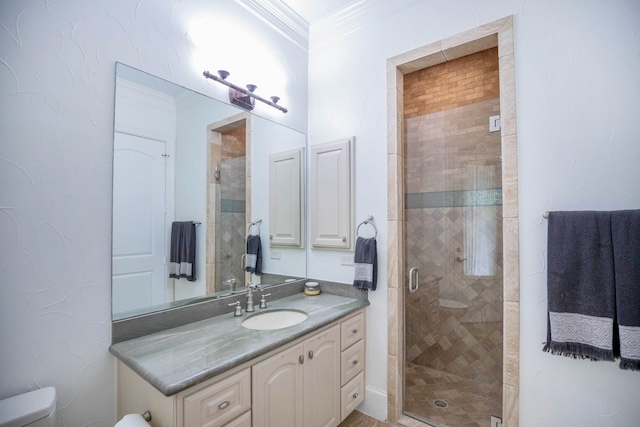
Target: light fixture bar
223, 76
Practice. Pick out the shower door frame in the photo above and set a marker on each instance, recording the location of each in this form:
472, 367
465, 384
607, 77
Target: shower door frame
495, 34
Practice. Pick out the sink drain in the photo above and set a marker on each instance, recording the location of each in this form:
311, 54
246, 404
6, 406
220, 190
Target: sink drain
440, 403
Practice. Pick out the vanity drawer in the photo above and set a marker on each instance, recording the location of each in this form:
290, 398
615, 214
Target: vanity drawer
352, 331
219, 403
352, 395
351, 362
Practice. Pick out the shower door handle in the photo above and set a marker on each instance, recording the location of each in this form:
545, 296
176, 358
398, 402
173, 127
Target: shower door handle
414, 279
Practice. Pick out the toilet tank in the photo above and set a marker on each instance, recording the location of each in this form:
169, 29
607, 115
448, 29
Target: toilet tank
33, 409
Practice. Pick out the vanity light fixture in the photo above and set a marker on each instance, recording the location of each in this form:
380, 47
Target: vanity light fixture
244, 98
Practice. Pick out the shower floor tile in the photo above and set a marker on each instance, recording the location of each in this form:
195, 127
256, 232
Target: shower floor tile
470, 404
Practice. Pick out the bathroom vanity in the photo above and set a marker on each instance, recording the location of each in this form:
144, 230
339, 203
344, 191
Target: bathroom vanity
216, 372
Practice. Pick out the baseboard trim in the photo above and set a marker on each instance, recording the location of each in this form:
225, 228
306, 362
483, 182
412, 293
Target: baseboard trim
375, 403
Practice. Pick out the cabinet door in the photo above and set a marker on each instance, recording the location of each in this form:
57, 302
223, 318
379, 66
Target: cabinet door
332, 195
322, 379
278, 389
285, 199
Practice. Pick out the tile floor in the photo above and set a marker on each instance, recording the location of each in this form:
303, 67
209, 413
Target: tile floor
358, 419
469, 404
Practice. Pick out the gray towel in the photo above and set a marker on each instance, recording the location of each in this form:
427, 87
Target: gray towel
580, 284
254, 255
625, 231
366, 264
182, 261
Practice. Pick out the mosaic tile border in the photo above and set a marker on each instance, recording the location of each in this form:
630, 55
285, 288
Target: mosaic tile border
454, 199
233, 206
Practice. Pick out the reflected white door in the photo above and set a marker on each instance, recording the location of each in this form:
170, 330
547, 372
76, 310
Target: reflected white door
138, 223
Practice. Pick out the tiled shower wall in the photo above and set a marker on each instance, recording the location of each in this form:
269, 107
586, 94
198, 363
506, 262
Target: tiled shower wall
448, 142
232, 205
226, 206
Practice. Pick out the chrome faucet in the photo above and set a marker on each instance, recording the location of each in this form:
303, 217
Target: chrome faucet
250, 287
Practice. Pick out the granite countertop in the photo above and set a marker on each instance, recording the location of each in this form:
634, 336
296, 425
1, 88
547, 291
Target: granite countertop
178, 358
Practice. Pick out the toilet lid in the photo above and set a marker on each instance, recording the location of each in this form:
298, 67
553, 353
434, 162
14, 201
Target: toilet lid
28, 407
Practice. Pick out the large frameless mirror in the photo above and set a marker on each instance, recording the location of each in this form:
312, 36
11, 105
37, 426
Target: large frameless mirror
185, 163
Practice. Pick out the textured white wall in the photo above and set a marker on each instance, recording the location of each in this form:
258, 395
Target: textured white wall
578, 100
57, 63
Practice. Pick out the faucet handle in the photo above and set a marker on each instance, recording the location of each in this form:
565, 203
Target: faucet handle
263, 301
238, 311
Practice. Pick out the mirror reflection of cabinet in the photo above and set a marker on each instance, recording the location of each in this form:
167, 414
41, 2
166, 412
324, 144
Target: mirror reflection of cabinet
332, 193
285, 199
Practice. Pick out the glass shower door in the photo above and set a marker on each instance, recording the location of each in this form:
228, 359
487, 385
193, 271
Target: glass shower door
453, 260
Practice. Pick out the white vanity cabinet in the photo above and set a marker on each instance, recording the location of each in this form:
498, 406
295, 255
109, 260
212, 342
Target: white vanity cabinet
314, 381
328, 367
301, 385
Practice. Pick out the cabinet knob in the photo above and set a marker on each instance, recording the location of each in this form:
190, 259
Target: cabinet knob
310, 354
344, 238
355, 331
355, 395
355, 362
301, 359
224, 405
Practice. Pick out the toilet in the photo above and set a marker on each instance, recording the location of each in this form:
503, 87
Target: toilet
33, 409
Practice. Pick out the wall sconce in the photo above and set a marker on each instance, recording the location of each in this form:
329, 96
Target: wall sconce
244, 98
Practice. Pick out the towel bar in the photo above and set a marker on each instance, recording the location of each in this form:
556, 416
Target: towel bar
369, 222
254, 223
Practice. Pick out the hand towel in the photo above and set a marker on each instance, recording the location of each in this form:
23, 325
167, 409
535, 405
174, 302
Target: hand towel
580, 285
254, 255
182, 261
625, 231
366, 264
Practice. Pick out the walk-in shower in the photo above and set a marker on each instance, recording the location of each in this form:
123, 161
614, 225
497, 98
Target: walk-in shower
453, 341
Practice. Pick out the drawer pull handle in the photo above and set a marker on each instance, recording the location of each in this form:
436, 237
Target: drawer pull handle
301, 359
355, 395
224, 405
310, 354
355, 331
355, 362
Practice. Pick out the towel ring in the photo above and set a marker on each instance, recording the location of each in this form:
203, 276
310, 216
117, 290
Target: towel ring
255, 224
368, 221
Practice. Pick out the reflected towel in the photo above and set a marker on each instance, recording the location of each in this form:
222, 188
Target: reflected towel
366, 264
254, 255
580, 285
182, 261
625, 232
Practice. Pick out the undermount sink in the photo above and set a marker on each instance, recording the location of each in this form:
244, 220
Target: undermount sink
274, 319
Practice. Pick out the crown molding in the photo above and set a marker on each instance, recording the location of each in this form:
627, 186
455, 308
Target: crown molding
281, 18
352, 18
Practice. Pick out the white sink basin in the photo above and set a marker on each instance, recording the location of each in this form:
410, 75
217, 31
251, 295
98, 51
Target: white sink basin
274, 319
